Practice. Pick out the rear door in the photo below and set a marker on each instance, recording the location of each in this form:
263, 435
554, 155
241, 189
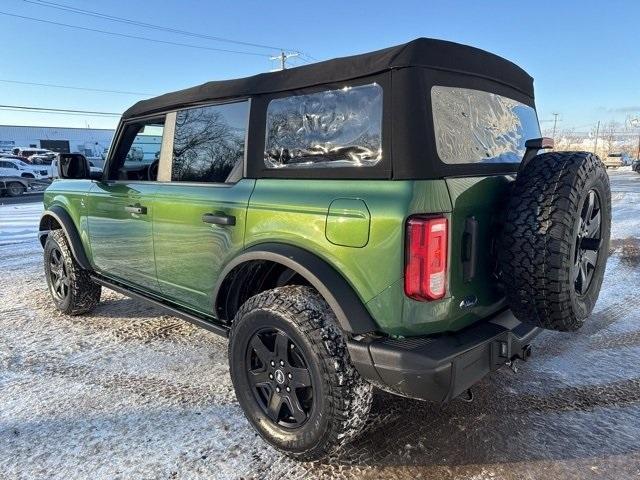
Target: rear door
8, 169
475, 127
121, 208
200, 211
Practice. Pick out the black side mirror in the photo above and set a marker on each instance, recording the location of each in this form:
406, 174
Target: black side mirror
73, 166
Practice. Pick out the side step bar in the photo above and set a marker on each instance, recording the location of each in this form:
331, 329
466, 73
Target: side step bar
170, 309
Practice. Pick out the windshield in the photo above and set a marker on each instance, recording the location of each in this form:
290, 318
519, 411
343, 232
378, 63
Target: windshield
473, 126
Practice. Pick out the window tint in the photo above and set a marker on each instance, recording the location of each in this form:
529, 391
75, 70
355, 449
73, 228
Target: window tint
209, 142
472, 126
334, 128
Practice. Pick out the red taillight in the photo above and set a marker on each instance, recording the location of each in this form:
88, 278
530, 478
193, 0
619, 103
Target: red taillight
425, 272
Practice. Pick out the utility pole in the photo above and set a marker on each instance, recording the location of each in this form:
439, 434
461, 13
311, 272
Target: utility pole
283, 57
555, 121
595, 145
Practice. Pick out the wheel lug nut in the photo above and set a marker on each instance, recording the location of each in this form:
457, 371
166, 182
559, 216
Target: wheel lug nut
278, 389
289, 375
288, 389
270, 376
282, 363
273, 364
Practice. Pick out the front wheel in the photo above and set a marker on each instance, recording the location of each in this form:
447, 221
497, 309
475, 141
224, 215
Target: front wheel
70, 285
292, 373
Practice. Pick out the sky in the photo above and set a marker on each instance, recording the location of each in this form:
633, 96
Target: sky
583, 55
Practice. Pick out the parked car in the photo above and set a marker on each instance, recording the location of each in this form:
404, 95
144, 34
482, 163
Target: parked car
363, 229
10, 167
42, 158
635, 166
13, 186
26, 152
615, 160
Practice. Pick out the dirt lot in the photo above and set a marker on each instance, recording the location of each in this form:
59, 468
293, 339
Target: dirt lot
128, 393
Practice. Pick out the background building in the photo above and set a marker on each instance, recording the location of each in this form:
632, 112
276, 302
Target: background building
92, 142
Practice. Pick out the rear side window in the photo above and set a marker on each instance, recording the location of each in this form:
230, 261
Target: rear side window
209, 142
473, 126
334, 128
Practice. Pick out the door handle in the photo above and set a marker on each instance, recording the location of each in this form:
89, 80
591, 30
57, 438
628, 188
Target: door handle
136, 209
219, 219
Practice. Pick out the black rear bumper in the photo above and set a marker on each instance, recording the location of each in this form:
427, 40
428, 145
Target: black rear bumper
442, 367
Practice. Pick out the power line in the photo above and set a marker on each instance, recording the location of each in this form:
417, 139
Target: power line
124, 92
135, 37
57, 110
128, 21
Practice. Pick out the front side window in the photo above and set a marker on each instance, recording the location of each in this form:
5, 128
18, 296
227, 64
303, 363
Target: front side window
334, 128
209, 143
473, 126
138, 153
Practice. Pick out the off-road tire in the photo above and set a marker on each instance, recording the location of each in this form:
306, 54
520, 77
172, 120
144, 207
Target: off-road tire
537, 251
83, 294
15, 189
342, 399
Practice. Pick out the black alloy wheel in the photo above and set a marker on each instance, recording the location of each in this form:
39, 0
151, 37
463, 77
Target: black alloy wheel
58, 275
587, 243
279, 377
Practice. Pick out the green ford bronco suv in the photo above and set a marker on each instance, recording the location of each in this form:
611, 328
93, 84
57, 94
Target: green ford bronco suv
383, 220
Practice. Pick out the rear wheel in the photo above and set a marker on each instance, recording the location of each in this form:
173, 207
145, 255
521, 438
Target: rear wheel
70, 286
292, 373
555, 241
15, 189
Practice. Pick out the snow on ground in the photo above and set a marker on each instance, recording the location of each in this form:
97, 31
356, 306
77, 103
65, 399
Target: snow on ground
19, 223
127, 392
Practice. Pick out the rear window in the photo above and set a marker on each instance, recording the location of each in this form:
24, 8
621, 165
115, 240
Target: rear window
473, 126
334, 128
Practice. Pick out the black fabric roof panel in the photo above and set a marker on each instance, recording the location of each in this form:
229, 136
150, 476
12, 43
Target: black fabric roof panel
421, 52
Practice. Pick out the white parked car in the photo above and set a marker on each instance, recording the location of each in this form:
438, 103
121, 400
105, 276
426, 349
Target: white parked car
10, 167
615, 160
42, 158
26, 152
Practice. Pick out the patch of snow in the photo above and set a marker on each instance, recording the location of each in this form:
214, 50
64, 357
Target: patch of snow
19, 223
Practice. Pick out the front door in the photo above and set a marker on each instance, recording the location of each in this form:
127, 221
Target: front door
199, 216
121, 208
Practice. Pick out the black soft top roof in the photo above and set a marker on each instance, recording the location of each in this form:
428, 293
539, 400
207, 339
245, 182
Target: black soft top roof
421, 52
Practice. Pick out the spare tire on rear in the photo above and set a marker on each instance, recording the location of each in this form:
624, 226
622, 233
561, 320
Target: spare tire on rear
555, 241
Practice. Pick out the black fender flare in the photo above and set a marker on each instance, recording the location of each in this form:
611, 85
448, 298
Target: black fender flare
351, 313
62, 217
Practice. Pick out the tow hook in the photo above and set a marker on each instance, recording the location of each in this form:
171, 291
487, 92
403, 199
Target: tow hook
526, 352
467, 396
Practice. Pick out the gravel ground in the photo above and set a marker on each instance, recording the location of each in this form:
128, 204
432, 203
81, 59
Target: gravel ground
129, 393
